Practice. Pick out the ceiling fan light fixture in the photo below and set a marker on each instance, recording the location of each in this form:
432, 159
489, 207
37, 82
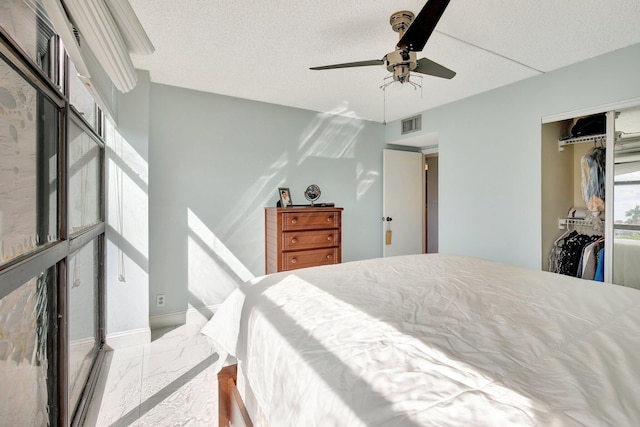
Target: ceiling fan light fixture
402, 78
401, 73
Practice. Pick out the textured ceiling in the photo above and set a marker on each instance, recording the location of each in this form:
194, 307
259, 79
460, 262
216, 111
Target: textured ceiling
262, 50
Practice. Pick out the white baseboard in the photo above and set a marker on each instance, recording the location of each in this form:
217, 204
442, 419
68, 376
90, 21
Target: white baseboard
129, 338
192, 315
142, 336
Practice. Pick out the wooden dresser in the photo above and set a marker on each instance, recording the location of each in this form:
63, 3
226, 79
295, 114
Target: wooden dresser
302, 237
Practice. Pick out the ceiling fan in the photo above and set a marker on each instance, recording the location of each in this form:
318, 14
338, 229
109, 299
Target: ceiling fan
414, 31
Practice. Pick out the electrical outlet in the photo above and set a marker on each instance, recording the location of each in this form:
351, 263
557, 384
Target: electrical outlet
160, 300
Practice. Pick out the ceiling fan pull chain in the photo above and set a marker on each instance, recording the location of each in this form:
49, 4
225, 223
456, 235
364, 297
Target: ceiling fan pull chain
384, 105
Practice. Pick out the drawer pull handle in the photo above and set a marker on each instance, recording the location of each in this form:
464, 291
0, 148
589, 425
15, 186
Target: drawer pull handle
294, 260
329, 237
329, 256
330, 219
294, 220
294, 240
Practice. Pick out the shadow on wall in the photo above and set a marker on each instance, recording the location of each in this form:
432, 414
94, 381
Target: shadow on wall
331, 135
210, 262
213, 269
335, 135
211, 209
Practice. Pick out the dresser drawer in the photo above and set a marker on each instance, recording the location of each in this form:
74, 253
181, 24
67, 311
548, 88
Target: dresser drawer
310, 258
298, 240
310, 220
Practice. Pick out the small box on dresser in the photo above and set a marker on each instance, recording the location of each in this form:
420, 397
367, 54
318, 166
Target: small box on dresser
302, 237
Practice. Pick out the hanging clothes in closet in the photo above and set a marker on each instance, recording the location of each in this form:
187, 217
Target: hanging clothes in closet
592, 260
577, 254
593, 165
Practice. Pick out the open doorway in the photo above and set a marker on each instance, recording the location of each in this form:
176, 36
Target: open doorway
431, 203
418, 180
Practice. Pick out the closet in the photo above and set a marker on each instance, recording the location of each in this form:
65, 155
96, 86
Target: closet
591, 196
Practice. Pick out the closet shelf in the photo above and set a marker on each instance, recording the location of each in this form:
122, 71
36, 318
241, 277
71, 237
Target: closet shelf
564, 223
581, 139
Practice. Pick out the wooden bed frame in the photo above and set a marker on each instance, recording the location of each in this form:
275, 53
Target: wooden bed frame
231, 409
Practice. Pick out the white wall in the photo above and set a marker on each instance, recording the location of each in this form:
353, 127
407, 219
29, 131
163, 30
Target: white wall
216, 162
489, 154
127, 236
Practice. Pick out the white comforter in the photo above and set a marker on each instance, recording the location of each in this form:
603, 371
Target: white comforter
435, 340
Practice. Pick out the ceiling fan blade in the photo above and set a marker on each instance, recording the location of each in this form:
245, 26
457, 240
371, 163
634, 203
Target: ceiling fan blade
350, 64
422, 26
427, 66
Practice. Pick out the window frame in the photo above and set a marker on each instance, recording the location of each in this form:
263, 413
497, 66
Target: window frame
15, 272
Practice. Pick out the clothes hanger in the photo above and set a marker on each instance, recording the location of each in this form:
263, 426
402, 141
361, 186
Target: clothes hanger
563, 235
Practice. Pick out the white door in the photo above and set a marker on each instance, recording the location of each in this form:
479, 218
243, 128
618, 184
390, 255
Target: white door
403, 203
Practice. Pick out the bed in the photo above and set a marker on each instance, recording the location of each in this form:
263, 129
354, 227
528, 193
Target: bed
428, 340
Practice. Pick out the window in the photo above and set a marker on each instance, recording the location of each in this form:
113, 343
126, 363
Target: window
26, 22
51, 229
80, 98
85, 178
26, 348
28, 166
626, 198
83, 276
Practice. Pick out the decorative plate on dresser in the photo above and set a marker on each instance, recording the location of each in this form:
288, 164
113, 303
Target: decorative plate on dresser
302, 237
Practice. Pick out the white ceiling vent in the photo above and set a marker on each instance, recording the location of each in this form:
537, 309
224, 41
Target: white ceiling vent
411, 124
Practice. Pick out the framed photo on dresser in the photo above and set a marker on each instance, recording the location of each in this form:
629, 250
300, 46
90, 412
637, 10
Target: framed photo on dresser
285, 197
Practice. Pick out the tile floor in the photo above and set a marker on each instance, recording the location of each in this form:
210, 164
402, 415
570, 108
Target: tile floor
169, 382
